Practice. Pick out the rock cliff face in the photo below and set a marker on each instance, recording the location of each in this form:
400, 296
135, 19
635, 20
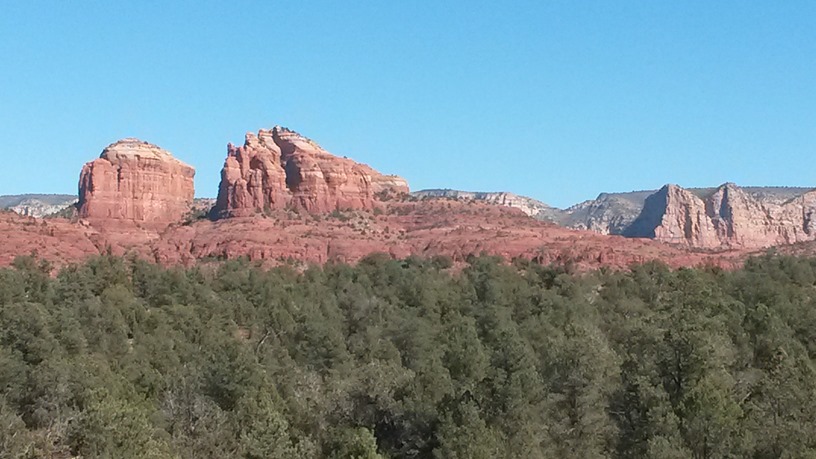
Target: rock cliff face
37, 205
726, 217
279, 169
529, 206
136, 181
609, 213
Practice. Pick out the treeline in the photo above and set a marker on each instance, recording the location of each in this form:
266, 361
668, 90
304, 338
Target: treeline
119, 358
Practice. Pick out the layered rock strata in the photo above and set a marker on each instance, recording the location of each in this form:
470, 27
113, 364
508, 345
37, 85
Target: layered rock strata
136, 181
280, 169
727, 217
37, 205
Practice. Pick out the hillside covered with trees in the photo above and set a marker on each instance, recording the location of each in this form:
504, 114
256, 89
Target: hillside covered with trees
119, 358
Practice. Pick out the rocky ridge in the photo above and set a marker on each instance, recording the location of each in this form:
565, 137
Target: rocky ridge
455, 229
728, 216
724, 217
37, 205
281, 169
609, 213
529, 206
283, 198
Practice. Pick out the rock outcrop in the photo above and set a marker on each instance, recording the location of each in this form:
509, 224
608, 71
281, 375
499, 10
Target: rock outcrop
138, 182
609, 213
280, 169
726, 217
130, 196
37, 205
529, 206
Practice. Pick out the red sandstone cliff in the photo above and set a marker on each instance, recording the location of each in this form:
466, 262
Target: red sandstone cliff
135, 181
279, 168
276, 170
131, 194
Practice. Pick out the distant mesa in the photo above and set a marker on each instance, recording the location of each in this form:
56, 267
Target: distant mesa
37, 205
280, 169
725, 217
136, 181
529, 206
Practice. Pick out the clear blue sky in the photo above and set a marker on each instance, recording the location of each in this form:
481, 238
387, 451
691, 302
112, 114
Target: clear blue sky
558, 100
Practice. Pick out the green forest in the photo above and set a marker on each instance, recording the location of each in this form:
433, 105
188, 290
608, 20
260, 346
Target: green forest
120, 358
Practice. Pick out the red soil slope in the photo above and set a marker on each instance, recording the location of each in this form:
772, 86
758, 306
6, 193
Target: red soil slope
402, 228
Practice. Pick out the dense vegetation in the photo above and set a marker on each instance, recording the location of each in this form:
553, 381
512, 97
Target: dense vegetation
119, 358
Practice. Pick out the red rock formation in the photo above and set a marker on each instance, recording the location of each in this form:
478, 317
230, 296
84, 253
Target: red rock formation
279, 169
456, 229
728, 217
58, 241
135, 181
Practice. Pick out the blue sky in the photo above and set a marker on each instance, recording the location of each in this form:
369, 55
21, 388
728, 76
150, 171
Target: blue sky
558, 100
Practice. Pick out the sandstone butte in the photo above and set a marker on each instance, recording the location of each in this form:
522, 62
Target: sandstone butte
728, 217
284, 199
280, 169
134, 181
